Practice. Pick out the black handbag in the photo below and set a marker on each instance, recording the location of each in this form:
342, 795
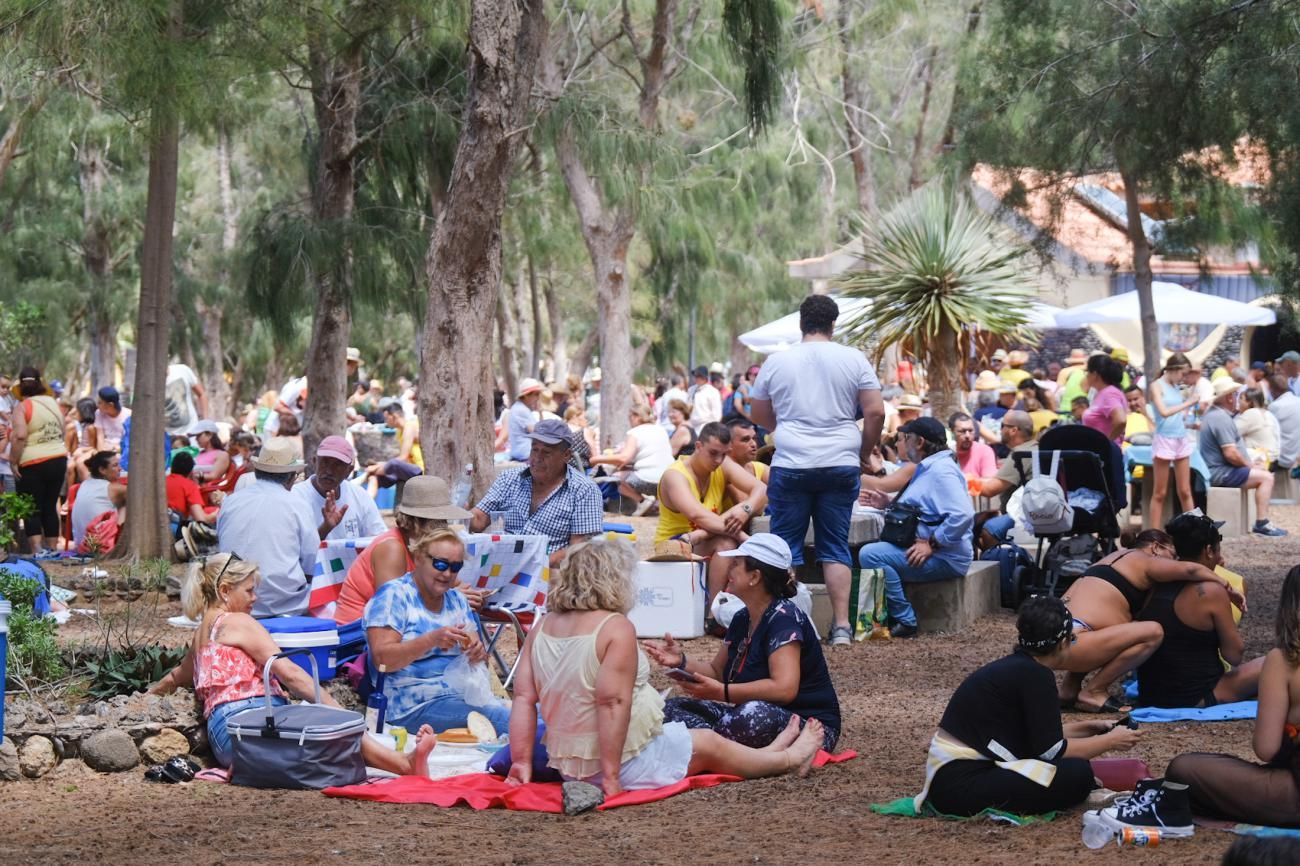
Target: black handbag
901, 521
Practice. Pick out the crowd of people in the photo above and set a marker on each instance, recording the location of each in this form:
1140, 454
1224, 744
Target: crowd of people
812, 436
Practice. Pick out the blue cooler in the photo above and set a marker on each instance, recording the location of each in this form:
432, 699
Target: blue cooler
320, 636
5, 609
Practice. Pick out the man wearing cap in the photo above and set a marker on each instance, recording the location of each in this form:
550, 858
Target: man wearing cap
1289, 365
1224, 452
810, 396
522, 418
346, 510
267, 524
942, 547
997, 361
706, 402
110, 419
547, 497
1286, 409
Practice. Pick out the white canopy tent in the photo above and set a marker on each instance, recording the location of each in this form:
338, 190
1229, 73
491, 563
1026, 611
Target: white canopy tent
783, 333
1173, 304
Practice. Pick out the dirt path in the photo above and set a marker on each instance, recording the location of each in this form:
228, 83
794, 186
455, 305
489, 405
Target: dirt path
892, 695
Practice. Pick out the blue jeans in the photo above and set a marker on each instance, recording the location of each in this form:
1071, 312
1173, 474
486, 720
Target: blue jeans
450, 711
218, 736
1000, 527
892, 560
827, 496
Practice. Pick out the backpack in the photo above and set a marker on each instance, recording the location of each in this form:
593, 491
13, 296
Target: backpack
729, 408
1015, 571
1047, 511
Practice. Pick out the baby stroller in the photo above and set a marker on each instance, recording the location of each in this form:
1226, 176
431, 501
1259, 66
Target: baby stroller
1090, 475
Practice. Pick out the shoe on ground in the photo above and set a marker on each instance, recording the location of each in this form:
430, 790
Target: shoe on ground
902, 630
646, 503
841, 635
1164, 807
1100, 798
1269, 528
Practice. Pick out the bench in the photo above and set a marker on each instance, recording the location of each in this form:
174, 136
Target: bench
941, 605
1235, 507
1284, 488
863, 529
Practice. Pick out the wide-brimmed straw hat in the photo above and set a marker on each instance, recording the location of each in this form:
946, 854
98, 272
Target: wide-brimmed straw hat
674, 550
278, 455
987, 380
428, 496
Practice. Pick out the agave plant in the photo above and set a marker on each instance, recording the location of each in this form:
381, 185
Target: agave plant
932, 266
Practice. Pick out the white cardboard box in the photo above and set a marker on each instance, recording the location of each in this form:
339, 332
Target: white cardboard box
669, 599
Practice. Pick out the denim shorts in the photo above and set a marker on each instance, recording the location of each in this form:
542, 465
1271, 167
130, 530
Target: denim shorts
219, 736
826, 495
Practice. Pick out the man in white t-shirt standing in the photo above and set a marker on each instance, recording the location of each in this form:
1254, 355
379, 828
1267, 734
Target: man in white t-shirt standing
810, 396
706, 405
184, 400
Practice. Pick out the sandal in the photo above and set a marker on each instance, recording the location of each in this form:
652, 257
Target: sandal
1109, 706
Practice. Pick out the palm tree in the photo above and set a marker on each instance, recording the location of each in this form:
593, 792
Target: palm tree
932, 265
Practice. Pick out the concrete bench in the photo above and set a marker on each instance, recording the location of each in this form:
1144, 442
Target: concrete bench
1235, 507
1285, 488
941, 605
863, 529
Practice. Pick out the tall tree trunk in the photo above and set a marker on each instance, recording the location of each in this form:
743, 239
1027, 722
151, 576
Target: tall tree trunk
948, 140
535, 296
212, 315
336, 96
13, 134
147, 534
555, 320
464, 261
507, 330
944, 372
97, 257
1142, 278
915, 179
864, 181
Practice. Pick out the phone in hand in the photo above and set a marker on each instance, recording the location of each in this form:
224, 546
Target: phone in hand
681, 675
1125, 721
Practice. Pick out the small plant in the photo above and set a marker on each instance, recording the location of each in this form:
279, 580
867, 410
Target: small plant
125, 672
13, 507
33, 651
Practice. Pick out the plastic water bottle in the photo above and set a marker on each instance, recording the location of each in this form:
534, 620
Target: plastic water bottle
1096, 833
460, 493
5, 610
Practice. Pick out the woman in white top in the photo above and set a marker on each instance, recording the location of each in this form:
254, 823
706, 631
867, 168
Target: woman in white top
1259, 429
648, 451
98, 494
604, 721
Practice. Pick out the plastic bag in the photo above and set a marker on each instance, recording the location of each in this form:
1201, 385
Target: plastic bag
724, 608
873, 612
471, 680
1087, 499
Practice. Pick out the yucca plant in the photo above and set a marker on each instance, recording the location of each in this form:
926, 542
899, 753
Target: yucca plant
932, 266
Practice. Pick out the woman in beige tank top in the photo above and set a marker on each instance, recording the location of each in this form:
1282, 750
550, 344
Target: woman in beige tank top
604, 721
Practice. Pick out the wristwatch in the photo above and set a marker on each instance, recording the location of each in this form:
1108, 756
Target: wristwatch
745, 507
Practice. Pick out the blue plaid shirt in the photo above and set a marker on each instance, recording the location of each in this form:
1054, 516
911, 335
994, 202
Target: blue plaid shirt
574, 508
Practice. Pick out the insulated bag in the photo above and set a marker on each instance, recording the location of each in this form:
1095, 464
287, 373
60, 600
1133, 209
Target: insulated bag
308, 746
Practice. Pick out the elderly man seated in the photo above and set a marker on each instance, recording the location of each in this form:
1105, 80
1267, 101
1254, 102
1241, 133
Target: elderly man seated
547, 497
941, 546
345, 509
691, 495
1224, 452
1018, 438
267, 524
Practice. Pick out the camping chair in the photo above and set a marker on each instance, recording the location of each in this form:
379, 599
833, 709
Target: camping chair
609, 490
225, 484
513, 571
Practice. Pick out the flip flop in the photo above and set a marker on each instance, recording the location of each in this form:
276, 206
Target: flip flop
1109, 706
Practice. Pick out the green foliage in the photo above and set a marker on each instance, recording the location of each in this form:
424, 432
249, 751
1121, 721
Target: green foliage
19, 325
755, 31
125, 672
33, 651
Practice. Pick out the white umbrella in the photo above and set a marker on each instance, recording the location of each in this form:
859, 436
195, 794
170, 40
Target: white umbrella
1173, 303
783, 333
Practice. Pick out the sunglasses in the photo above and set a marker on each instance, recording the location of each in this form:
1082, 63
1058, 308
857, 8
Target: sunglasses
452, 565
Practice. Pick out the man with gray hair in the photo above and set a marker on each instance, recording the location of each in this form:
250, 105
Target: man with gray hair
1018, 437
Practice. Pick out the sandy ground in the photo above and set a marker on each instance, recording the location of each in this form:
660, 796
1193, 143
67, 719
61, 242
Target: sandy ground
892, 694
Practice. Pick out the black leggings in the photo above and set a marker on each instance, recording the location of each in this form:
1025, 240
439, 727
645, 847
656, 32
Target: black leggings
43, 481
753, 723
969, 787
1223, 786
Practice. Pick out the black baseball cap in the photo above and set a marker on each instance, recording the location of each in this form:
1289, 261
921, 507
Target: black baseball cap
929, 429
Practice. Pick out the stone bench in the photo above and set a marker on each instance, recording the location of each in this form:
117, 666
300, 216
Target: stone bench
1286, 490
1235, 507
863, 529
941, 605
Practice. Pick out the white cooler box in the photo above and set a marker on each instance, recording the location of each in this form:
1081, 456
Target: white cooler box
669, 599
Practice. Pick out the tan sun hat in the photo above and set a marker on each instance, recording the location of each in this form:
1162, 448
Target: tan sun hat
987, 380
910, 401
674, 550
1225, 385
429, 496
1077, 356
278, 455
528, 386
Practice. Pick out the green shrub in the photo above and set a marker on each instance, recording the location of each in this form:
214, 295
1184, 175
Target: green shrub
34, 653
13, 507
125, 672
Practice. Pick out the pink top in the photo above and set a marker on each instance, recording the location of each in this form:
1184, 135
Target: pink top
224, 673
359, 585
979, 462
1098, 415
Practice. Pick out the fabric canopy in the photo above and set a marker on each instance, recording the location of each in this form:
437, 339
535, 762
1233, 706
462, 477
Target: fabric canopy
1173, 304
783, 333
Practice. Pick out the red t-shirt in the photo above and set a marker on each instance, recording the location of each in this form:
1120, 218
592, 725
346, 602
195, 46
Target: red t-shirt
182, 492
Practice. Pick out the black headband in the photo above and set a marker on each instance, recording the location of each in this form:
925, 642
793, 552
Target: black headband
1067, 626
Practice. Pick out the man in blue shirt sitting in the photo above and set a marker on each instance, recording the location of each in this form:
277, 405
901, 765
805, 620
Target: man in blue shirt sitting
942, 548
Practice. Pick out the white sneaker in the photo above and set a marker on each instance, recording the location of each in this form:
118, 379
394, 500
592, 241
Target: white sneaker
643, 506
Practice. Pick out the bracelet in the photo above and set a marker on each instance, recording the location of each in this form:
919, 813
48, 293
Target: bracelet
682, 664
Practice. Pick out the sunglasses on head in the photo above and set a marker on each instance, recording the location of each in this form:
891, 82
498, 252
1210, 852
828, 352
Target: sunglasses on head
452, 565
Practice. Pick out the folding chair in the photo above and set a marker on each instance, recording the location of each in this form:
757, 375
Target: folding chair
493, 620
513, 570
606, 483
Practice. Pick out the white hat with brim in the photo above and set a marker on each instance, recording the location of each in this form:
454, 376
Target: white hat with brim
1224, 386
429, 497
204, 426
279, 456
765, 547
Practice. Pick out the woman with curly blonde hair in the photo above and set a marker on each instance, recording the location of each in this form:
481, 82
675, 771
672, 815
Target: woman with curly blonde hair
604, 721
1227, 787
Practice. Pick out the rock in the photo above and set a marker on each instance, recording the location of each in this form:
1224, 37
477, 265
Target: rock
580, 797
37, 757
70, 770
167, 743
110, 751
9, 766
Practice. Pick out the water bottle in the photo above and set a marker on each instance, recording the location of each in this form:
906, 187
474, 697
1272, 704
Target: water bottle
377, 704
460, 493
1096, 833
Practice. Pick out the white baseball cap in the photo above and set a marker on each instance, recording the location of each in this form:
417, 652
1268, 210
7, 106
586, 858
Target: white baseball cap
767, 548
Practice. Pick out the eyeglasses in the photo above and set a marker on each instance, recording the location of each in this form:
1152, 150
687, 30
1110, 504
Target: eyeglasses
452, 565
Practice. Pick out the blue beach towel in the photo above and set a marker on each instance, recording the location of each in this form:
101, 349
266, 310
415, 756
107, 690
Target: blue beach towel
1218, 713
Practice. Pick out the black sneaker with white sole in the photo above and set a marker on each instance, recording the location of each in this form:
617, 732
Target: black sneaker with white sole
1155, 805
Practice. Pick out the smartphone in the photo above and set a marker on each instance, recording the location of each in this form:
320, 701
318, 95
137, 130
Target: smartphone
681, 676
1125, 721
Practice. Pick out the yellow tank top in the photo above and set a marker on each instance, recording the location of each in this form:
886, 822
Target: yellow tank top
761, 471
672, 523
44, 431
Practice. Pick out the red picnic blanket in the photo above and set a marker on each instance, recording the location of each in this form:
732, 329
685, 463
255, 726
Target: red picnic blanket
486, 791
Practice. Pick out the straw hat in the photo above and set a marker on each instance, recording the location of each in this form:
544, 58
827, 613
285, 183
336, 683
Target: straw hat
987, 380
278, 455
674, 550
1077, 356
428, 496
1224, 386
1018, 357
528, 386
910, 401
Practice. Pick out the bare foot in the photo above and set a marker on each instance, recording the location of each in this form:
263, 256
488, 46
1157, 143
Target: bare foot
425, 740
785, 738
805, 747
